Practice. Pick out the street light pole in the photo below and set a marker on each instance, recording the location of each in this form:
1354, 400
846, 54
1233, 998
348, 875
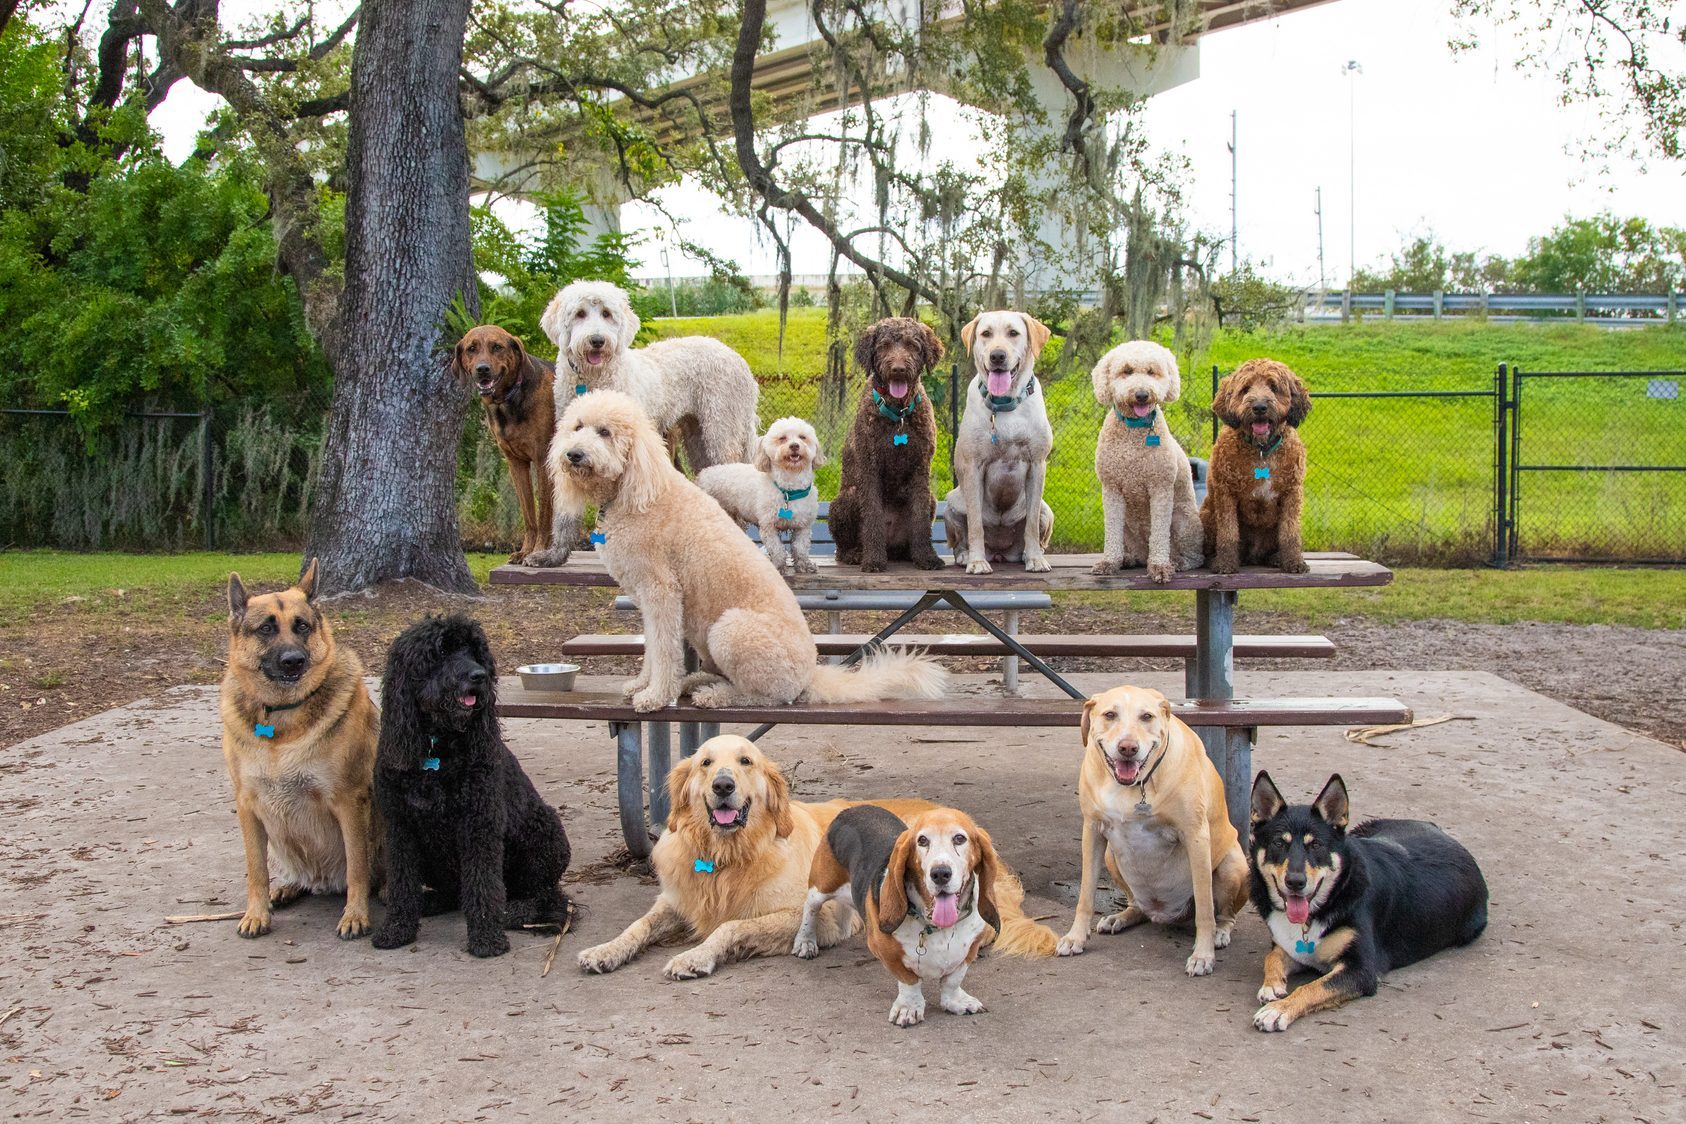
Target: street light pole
1234, 181
1351, 68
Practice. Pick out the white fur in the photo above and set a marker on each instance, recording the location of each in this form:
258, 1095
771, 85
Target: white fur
786, 458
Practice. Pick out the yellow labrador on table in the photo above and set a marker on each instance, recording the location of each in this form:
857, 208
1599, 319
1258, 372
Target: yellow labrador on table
1153, 807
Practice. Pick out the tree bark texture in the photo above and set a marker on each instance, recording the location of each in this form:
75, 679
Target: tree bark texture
386, 503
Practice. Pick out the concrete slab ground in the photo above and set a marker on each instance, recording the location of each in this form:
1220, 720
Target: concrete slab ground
1571, 1007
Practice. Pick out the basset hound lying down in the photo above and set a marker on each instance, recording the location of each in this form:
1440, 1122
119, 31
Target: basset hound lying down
932, 891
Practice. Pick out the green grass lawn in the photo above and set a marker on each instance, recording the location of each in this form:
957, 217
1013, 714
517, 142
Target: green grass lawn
30, 580
1402, 478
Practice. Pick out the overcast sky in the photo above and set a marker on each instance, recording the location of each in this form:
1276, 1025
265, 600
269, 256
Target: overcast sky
1466, 146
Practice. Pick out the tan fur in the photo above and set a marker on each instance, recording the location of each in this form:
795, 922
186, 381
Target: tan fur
751, 904
1147, 492
700, 581
785, 459
303, 797
1247, 520
1186, 798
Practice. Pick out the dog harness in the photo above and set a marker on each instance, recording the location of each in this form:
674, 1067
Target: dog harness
899, 415
1152, 439
791, 495
1262, 472
999, 403
267, 730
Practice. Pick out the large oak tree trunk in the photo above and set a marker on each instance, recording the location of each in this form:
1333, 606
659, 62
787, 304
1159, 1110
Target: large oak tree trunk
385, 506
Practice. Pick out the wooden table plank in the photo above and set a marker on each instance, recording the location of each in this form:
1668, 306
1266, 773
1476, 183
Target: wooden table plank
610, 706
1070, 572
978, 644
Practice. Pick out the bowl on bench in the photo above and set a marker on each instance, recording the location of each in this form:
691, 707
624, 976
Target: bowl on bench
548, 676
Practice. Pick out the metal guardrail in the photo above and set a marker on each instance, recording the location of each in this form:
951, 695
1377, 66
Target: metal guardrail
1634, 307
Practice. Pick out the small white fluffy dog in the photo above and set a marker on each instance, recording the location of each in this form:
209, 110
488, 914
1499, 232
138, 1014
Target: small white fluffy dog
1147, 489
1001, 451
699, 580
777, 492
694, 384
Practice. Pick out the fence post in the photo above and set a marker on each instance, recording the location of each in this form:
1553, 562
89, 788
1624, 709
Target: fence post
1214, 399
1501, 408
1673, 304
1512, 533
1481, 304
1439, 302
207, 476
1580, 304
1387, 305
1346, 304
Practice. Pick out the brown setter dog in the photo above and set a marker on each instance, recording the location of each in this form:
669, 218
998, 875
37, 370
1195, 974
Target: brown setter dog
1255, 491
884, 507
518, 393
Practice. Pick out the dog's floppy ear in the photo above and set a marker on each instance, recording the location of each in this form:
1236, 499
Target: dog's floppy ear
989, 869
307, 583
236, 598
778, 798
1226, 404
763, 455
1083, 726
1101, 377
1299, 400
459, 369
644, 478
1331, 805
866, 348
892, 902
629, 322
1172, 375
1267, 801
819, 452
552, 322
678, 800
1039, 333
969, 330
929, 345
409, 663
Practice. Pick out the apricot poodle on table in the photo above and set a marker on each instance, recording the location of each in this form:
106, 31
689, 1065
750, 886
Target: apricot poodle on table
1256, 487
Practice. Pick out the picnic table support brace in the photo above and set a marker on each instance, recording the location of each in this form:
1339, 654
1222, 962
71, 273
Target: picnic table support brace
659, 738
954, 597
629, 768
1211, 675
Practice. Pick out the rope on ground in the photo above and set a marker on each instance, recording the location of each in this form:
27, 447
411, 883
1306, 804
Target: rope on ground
1364, 734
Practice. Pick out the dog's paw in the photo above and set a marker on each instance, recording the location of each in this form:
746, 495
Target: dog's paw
354, 923
712, 695
1273, 1017
546, 559
1037, 564
1072, 945
1200, 964
633, 686
1160, 572
393, 936
979, 566
873, 565
1295, 566
1225, 562
804, 948
929, 562
254, 923
1113, 923
804, 566
962, 1003
485, 945
602, 959
689, 965
905, 1013
1220, 936
652, 698
1103, 568
280, 897
1269, 993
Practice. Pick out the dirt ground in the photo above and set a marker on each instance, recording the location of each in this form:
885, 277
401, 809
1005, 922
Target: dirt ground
67, 662
1569, 1007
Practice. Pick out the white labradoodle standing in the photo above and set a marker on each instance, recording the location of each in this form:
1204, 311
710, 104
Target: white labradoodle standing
1147, 489
694, 384
776, 493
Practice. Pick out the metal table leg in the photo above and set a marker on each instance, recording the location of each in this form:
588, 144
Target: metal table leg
953, 597
629, 767
1010, 664
659, 738
1211, 675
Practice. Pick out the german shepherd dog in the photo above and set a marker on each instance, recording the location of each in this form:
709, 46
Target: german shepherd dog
1352, 905
298, 733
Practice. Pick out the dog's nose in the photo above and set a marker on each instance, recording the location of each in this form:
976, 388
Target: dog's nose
482, 368
477, 676
998, 358
1259, 409
940, 875
1295, 881
292, 662
724, 785
1141, 396
596, 341
575, 456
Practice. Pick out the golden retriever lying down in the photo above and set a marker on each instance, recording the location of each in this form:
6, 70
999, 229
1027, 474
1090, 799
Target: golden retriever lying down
700, 580
733, 865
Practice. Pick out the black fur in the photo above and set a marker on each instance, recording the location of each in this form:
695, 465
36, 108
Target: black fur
474, 831
1406, 888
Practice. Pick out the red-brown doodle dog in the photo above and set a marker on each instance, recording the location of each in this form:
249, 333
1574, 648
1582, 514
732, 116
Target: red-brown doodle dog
931, 890
885, 506
517, 392
1254, 495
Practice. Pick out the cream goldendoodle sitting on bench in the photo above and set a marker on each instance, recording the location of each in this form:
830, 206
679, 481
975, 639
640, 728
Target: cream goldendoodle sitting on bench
699, 580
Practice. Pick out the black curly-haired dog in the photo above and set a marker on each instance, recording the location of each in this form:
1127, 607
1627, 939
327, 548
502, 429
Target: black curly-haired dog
884, 506
462, 818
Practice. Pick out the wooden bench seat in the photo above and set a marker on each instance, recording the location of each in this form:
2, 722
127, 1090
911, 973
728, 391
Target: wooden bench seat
978, 644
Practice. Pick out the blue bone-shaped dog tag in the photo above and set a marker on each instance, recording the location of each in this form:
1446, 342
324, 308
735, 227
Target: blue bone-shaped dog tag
599, 537
263, 731
1261, 473
899, 439
1305, 948
431, 764
580, 388
703, 866
786, 513
1152, 440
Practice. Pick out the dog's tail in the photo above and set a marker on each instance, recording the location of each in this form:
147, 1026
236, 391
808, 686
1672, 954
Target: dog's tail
1019, 935
892, 673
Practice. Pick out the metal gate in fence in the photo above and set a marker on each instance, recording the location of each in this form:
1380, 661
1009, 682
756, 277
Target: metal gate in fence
1593, 468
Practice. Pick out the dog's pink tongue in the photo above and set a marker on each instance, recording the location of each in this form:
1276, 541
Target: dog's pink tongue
1298, 908
898, 388
1142, 411
946, 910
724, 816
468, 700
1126, 771
1000, 382
1260, 428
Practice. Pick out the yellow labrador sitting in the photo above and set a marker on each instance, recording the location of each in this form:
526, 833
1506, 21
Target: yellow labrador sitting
1154, 806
